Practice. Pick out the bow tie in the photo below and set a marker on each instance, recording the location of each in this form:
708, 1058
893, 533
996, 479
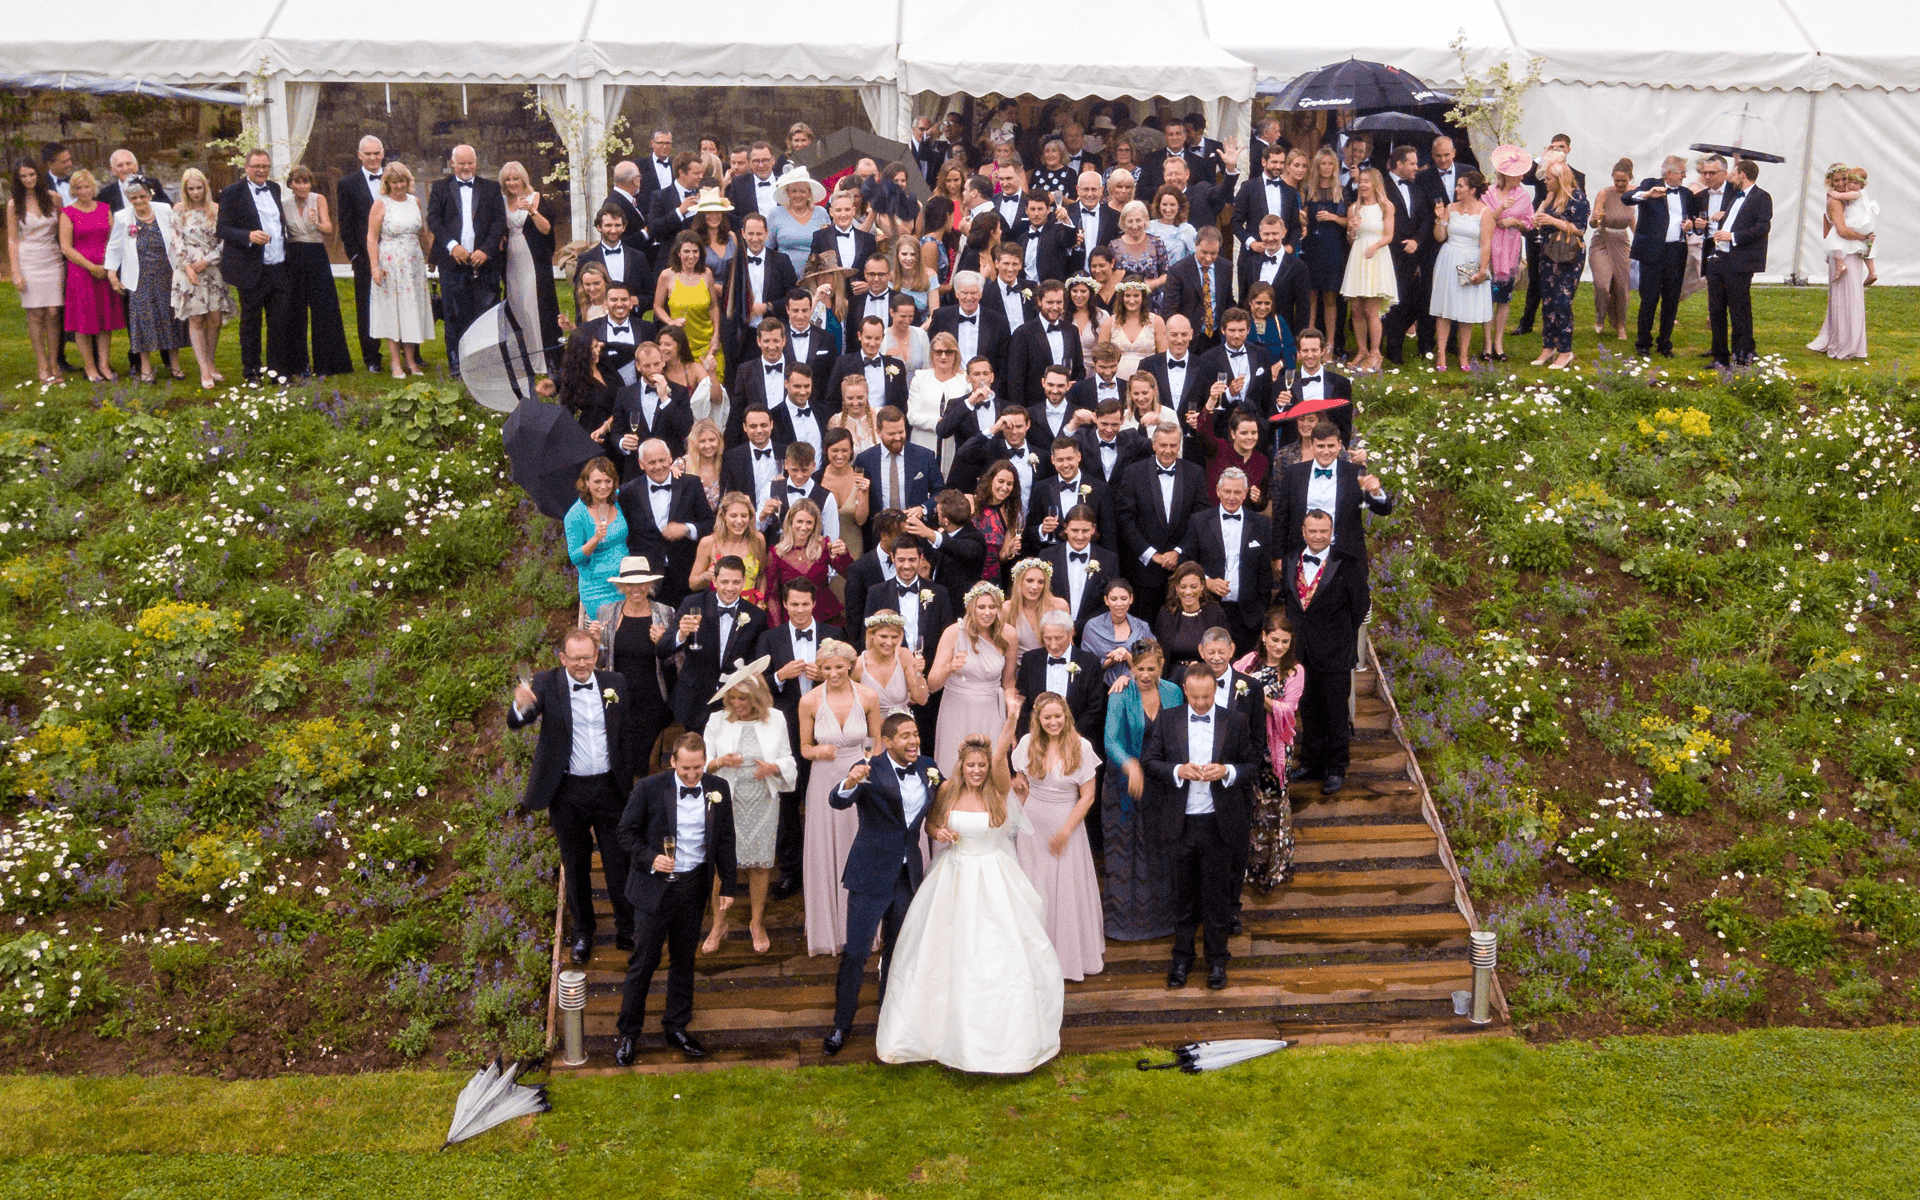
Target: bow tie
796, 335
613, 251
261, 189
869, 362
1200, 718
970, 320
464, 182
768, 453
839, 232
660, 487
1232, 353
689, 791
1229, 516
583, 687
906, 586
1273, 258
664, 162
774, 368
727, 610
1176, 364
373, 177
1306, 379
764, 182
755, 259
1167, 471
1078, 556
1312, 558
1056, 662
620, 329
1275, 180
1109, 445
803, 635
1053, 327
1323, 472
803, 414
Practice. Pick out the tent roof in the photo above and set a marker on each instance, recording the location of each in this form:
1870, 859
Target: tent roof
1128, 48
744, 43
211, 40
1865, 43
1285, 43
475, 41
1764, 48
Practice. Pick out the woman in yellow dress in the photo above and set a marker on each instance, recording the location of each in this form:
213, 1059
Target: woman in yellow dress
689, 296
733, 533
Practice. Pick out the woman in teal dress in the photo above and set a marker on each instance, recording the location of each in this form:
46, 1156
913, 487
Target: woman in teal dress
1137, 893
596, 536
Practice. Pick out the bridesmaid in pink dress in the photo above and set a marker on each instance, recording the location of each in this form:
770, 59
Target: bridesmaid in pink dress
839, 722
973, 671
896, 683
1056, 768
93, 311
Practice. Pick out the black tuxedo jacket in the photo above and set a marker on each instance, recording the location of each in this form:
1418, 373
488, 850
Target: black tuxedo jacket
1206, 201
240, 260
777, 644
1103, 567
828, 238
1748, 253
635, 210
687, 505
553, 708
886, 837
1183, 295
1292, 289
1416, 223
961, 421
931, 155
110, 196
1144, 523
782, 491
960, 559
615, 355
783, 415
990, 344
776, 280
1206, 545
706, 659
1086, 694
935, 614
1040, 426
855, 363
1153, 171
1256, 395
1650, 226
1029, 355
992, 295
1290, 507
1166, 797
819, 358
979, 452
1130, 447
664, 220
1056, 246
351, 204
653, 815
1050, 499
672, 421
489, 224
1109, 230
1252, 204
636, 271
1085, 393
862, 577
736, 468
750, 388
1326, 631
744, 191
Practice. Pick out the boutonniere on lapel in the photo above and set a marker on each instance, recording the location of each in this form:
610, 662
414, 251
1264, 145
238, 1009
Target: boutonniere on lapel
892, 371
1239, 687
933, 776
611, 697
926, 595
1033, 460
1254, 544
713, 798
1086, 489
1073, 668
1026, 293
1093, 566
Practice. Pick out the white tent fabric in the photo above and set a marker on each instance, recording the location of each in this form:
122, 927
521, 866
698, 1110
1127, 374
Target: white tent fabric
303, 102
471, 41
744, 42
1285, 43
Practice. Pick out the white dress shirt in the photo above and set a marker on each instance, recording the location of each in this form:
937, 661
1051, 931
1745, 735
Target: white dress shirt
1310, 564
1314, 386
1109, 456
589, 751
765, 461
757, 276
1077, 561
966, 331
1200, 753
775, 374
663, 172
1033, 254
763, 197
372, 180
1013, 303
1239, 362
1406, 191
1733, 213
1056, 417
875, 370
873, 304
660, 500
845, 243
1322, 491
729, 615
1057, 342
1176, 379
913, 793
805, 649
806, 427
910, 613
1057, 677
689, 826
275, 251
1233, 533
1017, 457
463, 189
615, 261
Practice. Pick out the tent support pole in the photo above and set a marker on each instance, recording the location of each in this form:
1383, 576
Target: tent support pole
1808, 181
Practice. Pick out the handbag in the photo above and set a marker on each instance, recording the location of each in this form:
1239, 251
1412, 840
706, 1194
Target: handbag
1562, 247
1463, 273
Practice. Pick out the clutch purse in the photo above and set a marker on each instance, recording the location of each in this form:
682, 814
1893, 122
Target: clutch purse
1463, 273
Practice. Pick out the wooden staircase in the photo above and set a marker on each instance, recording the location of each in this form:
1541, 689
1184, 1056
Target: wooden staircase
1367, 942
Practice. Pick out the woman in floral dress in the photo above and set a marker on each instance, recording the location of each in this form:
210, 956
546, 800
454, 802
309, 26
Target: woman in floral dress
1281, 679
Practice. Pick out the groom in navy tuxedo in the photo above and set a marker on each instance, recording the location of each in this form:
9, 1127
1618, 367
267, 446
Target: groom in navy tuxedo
892, 792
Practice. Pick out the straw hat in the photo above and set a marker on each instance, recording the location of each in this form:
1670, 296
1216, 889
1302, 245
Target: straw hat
1512, 160
798, 174
822, 273
740, 675
712, 201
635, 568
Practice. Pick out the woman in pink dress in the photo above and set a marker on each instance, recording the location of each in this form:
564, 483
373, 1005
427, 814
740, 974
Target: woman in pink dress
93, 311
1512, 205
973, 671
802, 553
839, 723
897, 683
1056, 768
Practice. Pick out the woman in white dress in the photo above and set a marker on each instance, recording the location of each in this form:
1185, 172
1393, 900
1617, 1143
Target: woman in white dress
1133, 328
399, 308
931, 390
523, 272
747, 746
974, 983
1462, 276
1369, 282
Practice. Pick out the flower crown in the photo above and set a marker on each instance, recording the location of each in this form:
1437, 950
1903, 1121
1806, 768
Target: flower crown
1086, 279
888, 617
1020, 568
983, 588
1135, 285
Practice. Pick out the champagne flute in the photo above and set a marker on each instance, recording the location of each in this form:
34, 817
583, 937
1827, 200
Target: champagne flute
666, 848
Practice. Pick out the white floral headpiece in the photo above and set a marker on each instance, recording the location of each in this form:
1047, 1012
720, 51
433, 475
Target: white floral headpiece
887, 617
1020, 568
983, 588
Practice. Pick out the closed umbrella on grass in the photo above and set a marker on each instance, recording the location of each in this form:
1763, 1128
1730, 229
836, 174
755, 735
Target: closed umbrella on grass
492, 1097
1195, 1057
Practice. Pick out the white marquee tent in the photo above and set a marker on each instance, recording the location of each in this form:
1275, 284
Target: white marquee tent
1836, 84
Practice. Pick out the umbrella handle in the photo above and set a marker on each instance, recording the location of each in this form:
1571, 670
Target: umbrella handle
1146, 1065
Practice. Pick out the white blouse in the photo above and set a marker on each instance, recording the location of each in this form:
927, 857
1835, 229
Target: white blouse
723, 738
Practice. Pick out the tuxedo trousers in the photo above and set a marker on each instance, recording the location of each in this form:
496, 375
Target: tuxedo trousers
1661, 279
790, 842
1203, 888
1326, 725
675, 925
464, 294
271, 297
1730, 310
867, 914
587, 810
362, 285
1413, 277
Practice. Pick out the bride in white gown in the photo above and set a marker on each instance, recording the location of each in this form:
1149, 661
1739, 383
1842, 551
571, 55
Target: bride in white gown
974, 983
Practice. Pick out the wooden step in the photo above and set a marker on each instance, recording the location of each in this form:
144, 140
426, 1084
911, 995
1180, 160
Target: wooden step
1351, 801
1350, 843
1356, 889
1273, 935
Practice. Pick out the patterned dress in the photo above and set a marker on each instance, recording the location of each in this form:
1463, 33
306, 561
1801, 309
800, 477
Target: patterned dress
150, 318
756, 814
196, 240
1270, 849
400, 308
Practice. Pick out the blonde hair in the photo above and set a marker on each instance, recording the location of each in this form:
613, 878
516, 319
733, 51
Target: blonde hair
1041, 745
835, 648
392, 171
1372, 176
787, 545
82, 176
754, 540
759, 700
998, 633
954, 784
901, 280
511, 167
692, 456
206, 189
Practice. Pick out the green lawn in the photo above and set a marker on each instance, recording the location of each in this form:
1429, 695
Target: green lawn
1788, 1113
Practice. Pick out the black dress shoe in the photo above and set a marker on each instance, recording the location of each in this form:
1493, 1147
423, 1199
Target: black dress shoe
623, 942
1296, 774
1333, 784
1234, 927
686, 1043
1177, 975
623, 1052
1216, 977
783, 889
834, 1042
582, 948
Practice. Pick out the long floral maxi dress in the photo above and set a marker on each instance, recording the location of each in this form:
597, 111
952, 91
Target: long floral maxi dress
1270, 849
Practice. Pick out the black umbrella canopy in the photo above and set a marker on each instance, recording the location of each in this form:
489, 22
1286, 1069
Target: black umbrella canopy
1395, 122
1355, 83
842, 148
547, 448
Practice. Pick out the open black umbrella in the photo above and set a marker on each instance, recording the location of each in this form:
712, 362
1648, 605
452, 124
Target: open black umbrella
1395, 122
1354, 83
547, 448
842, 148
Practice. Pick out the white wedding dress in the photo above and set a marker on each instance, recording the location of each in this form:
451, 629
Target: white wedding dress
974, 983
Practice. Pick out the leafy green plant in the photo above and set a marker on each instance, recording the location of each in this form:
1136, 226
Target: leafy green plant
219, 868
51, 978
278, 684
1833, 678
1726, 918
176, 634
425, 414
1801, 943
1854, 999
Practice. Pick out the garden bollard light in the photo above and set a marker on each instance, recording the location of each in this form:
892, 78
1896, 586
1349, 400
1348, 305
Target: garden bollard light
573, 1016
1483, 951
